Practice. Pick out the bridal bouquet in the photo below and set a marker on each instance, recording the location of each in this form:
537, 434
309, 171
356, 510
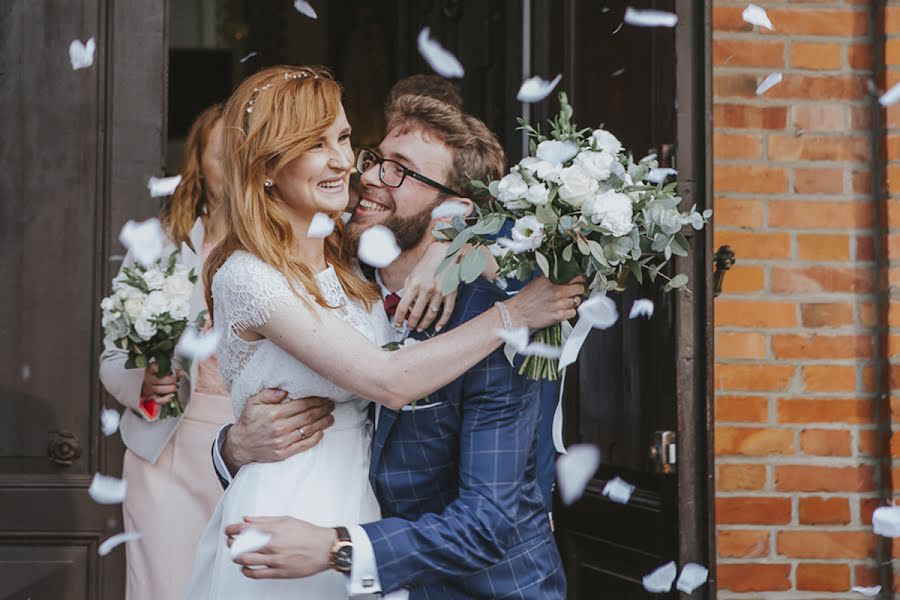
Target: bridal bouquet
580, 205
145, 315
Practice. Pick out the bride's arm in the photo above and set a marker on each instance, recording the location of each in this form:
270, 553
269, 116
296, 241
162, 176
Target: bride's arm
338, 352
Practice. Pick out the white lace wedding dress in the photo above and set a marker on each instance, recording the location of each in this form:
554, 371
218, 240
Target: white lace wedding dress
327, 485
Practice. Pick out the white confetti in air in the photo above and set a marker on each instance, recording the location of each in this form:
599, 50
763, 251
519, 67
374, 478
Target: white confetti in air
661, 579
768, 83
575, 469
868, 592
541, 349
441, 60
321, 226
618, 73
145, 240
536, 89
82, 55
120, 538
449, 209
650, 18
109, 421
378, 246
756, 15
117, 258
641, 308
250, 540
198, 346
107, 490
557, 152
305, 9
517, 338
618, 490
163, 186
248, 57
599, 311
891, 96
692, 576
619, 28
26, 372
515, 246
886, 521
657, 175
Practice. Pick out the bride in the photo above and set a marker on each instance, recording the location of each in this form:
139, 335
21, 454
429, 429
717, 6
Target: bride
295, 313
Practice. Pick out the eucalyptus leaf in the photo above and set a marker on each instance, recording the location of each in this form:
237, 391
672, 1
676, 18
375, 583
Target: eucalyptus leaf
458, 242
636, 271
678, 281
140, 361
567, 253
472, 265
546, 215
543, 264
596, 251
451, 279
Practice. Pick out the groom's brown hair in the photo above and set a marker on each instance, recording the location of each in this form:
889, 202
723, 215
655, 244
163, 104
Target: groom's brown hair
476, 152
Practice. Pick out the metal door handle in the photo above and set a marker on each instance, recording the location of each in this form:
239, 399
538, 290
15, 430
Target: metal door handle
63, 448
724, 260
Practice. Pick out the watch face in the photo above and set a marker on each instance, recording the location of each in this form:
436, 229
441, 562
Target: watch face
344, 557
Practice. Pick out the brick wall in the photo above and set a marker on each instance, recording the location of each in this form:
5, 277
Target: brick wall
795, 377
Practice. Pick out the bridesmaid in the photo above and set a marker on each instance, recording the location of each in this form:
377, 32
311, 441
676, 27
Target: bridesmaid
171, 488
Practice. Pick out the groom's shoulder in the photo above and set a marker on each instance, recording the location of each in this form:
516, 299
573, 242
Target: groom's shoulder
474, 298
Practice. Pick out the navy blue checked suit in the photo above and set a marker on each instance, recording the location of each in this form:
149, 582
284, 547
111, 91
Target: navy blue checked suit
457, 482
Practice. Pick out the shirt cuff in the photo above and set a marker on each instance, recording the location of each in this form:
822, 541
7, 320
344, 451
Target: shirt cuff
363, 580
218, 462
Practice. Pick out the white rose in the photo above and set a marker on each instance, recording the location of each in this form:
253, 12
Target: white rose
178, 287
611, 210
108, 303
133, 307
545, 170
512, 187
538, 194
598, 164
181, 271
528, 230
179, 308
557, 152
577, 185
109, 316
145, 329
606, 141
155, 304
154, 278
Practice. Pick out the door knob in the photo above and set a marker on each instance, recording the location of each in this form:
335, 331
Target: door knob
724, 260
63, 448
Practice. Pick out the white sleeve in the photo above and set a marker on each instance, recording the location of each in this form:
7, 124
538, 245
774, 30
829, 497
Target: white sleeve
218, 461
363, 581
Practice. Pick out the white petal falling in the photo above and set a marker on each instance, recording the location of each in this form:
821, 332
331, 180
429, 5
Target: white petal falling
618, 490
439, 58
517, 338
321, 226
541, 349
515, 246
658, 175
198, 346
661, 579
163, 186
305, 9
378, 246
692, 576
250, 540
650, 18
768, 83
109, 421
82, 55
641, 308
120, 538
449, 209
107, 490
886, 521
535, 89
575, 469
248, 57
599, 311
618, 72
868, 592
26, 372
891, 96
756, 15
145, 240
558, 152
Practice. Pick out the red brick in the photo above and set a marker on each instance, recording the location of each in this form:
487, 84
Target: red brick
754, 577
819, 22
742, 543
859, 57
752, 441
861, 182
747, 214
866, 575
753, 377
824, 511
825, 442
829, 378
747, 53
743, 279
821, 279
799, 214
740, 345
826, 314
892, 19
743, 116
819, 117
732, 478
867, 508
750, 313
820, 57
826, 247
750, 178
754, 245
750, 510
806, 478
821, 346
748, 409
819, 181
868, 443
823, 577
801, 87
824, 410
734, 146
860, 118
811, 147
826, 544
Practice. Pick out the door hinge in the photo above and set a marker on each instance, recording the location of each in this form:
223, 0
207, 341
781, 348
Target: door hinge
664, 452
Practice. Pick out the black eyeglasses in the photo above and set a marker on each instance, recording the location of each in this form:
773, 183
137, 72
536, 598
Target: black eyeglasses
392, 173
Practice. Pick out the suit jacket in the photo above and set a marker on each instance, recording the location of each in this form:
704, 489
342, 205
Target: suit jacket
457, 483
146, 438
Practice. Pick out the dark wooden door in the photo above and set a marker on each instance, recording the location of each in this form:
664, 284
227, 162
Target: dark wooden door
77, 149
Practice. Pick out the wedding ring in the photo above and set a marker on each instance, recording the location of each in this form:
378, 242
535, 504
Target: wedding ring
302, 434
433, 309
575, 302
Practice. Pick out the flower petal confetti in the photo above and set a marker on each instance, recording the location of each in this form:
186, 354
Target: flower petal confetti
378, 246
661, 579
449, 209
321, 226
535, 89
650, 18
439, 58
541, 349
557, 152
107, 490
250, 540
82, 55
517, 338
248, 57
574, 470
756, 15
618, 490
145, 240
658, 175
599, 311
768, 83
305, 9
692, 576
26, 372
109, 421
163, 186
891, 96
641, 308
886, 521
868, 592
120, 538
198, 346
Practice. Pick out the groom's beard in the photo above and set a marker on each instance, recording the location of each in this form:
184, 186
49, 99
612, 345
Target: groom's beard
408, 231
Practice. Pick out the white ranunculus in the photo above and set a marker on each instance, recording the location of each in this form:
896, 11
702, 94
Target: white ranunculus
145, 328
598, 164
577, 186
179, 308
538, 194
154, 278
606, 141
109, 316
611, 210
512, 187
155, 304
528, 230
133, 307
555, 151
178, 287
108, 304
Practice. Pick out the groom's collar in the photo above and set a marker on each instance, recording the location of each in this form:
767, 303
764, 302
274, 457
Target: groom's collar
385, 292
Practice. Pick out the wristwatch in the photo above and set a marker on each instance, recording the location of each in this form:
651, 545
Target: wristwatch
341, 556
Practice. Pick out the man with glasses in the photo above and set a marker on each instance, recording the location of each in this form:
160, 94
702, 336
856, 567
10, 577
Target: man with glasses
456, 473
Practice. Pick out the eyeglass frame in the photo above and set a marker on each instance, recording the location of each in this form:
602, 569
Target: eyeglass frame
380, 160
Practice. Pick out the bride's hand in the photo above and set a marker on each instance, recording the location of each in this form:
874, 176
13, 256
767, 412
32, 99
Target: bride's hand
542, 304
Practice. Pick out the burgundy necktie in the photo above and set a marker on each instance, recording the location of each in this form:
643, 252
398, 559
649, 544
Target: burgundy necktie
390, 304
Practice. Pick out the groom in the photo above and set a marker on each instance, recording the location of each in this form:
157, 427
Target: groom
456, 475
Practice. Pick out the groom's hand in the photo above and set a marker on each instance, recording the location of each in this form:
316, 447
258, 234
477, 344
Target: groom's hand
296, 548
270, 430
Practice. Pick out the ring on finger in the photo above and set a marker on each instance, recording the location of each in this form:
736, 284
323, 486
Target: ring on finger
433, 309
302, 433
575, 302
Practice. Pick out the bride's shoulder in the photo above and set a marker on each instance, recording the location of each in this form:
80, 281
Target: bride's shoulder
243, 269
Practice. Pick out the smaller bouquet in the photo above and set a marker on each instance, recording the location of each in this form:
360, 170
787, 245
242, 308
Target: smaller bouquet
145, 315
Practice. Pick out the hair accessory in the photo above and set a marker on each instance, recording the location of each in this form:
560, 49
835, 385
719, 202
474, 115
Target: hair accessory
268, 183
256, 92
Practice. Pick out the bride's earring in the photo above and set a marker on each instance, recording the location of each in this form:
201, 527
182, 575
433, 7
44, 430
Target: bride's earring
268, 183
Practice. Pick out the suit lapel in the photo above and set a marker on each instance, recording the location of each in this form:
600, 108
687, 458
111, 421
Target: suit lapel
386, 420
